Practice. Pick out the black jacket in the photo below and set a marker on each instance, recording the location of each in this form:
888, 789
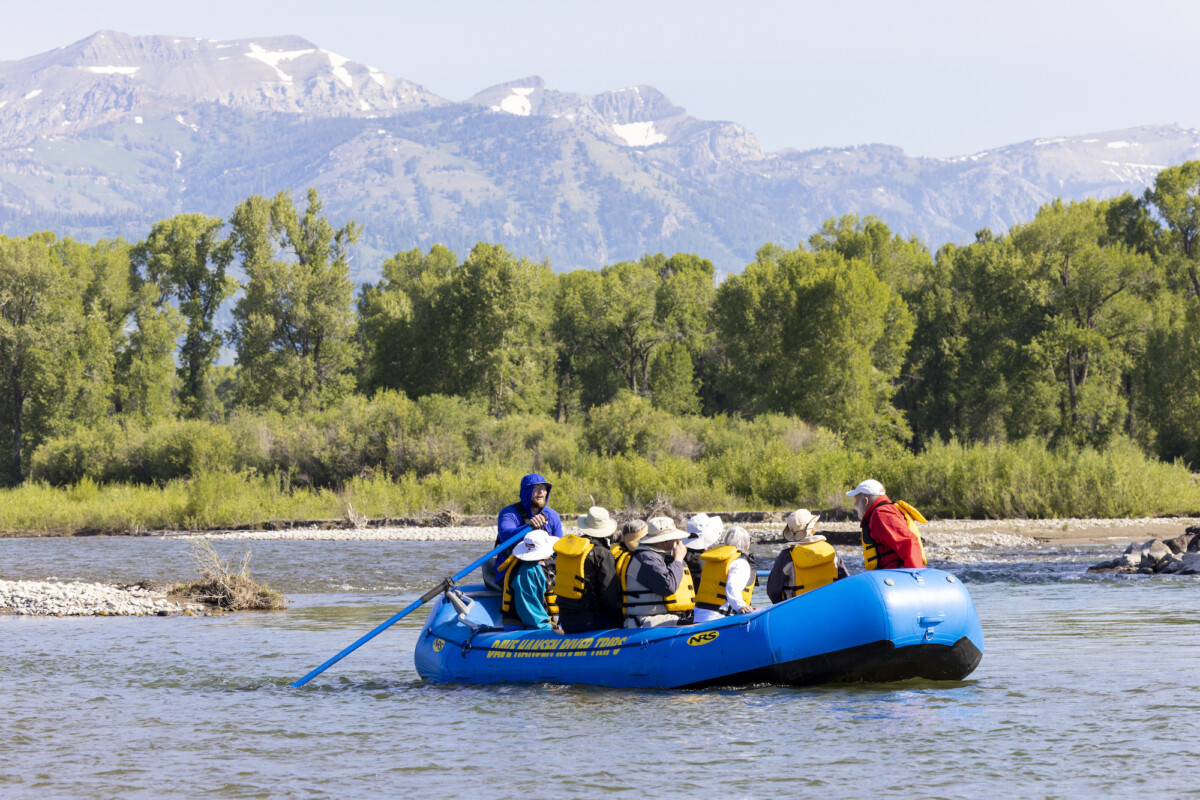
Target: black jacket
600, 606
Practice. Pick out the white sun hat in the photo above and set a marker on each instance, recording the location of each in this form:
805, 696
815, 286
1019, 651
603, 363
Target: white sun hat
662, 529
535, 546
596, 523
703, 531
869, 486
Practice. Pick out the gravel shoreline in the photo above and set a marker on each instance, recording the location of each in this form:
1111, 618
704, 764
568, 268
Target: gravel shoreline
80, 599
948, 532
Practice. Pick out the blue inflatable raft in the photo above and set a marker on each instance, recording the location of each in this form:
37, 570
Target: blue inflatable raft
883, 625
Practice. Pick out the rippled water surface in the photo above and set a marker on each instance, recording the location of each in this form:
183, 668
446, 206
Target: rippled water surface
1087, 687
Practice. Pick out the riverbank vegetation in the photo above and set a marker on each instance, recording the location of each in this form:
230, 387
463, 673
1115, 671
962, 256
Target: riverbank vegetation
1050, 371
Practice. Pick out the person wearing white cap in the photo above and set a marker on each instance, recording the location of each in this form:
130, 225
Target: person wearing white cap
809, 563
658, 593
889, 540
727, 581
585, 576
703, 531
528, 598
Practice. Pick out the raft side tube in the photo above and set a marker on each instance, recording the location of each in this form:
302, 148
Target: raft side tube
878, 626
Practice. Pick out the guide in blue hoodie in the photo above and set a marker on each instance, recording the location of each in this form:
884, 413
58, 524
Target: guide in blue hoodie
525, 513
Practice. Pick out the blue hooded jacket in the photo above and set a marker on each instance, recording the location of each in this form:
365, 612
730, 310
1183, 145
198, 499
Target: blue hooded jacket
513, 518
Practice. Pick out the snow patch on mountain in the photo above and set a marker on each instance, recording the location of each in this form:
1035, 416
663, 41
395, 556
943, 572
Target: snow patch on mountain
639, 134
272, 58
518, 102
33, 94
113, 70
339, 70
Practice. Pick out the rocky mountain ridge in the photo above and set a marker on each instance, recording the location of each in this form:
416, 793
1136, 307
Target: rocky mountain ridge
107, 135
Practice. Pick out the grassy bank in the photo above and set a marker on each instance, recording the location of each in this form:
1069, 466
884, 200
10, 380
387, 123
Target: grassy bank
1024, 479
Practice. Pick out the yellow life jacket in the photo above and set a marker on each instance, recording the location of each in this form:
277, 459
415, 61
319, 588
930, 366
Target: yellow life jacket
717, 562
912, 517
813, 566
568, 566
621, 555
684, 598
507, 608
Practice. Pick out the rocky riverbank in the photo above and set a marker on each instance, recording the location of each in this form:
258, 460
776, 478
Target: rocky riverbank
78, 599
1179, 555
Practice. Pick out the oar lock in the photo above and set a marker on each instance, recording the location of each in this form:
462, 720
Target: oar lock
462, 604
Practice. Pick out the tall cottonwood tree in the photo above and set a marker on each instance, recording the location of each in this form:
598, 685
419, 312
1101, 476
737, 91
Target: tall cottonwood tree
1172, 364
497, 321
817, 336
637, 325
402, 324
1094, 314
294, 326
63, 306
185, 259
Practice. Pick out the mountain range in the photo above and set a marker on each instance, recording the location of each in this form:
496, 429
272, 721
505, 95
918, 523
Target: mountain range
105, 136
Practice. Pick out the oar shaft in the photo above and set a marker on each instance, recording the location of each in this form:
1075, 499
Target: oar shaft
425, 598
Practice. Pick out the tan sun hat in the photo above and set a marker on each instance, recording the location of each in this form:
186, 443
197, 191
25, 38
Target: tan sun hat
800, 526
662, 529
632, 533
596, 523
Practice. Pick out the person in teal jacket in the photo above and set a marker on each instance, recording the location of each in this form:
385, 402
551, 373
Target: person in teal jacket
528, 591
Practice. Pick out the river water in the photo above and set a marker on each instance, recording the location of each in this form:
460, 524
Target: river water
1088, 687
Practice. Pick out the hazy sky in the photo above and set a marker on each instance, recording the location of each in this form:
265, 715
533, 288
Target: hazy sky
937, 78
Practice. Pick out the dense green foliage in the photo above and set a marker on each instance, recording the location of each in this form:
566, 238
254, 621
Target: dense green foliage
1020, 374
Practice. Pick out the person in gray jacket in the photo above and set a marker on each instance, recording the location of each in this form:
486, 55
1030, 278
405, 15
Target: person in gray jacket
657, 586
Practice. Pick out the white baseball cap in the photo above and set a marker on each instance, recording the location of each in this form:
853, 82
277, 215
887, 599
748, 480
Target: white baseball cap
869, 486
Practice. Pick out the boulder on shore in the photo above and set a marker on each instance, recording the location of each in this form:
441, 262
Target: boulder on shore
1178, 556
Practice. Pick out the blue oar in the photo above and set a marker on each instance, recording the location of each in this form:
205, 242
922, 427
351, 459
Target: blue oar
425, 598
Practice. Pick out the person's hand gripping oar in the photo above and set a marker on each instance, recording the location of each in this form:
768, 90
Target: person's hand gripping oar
425, 598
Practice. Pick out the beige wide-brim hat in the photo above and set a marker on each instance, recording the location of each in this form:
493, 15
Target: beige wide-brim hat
662, 529
536, 546
800, 526
596, 523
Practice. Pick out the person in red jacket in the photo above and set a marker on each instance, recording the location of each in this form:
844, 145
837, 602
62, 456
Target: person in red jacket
887, 540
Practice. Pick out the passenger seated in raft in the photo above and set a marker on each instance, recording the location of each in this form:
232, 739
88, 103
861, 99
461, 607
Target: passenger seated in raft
631, 535
528, 599
703, 531
585, 576
890, 539
727, 581
532, 510
658, 592
810, 562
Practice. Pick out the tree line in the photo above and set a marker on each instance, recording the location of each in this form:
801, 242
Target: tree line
1078, 327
